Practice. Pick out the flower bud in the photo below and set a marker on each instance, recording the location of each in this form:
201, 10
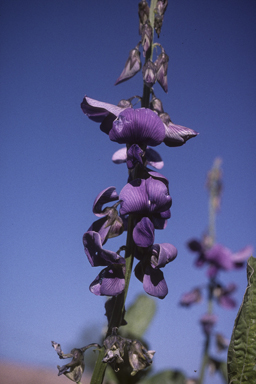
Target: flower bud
146, 37
159, 15
156, 105
132, 66
161, 64
149, 73
143, 12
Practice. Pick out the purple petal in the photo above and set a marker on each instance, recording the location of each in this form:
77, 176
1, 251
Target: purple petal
154, 159
163, 254
98, 110
220, 256
158, 195
143, 233
100, 227
138, 126
154, 283
175, 135
96, 255
191, 297
242, 255
227, 302
106, 196
110, 282
159, 176
120, 156
144, 196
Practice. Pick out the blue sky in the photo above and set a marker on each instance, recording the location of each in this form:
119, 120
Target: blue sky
54, 161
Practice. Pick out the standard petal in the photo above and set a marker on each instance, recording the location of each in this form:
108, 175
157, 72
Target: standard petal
159, 199
106, 196
143, 233
133, 197
220, 256
144, 196
138, 126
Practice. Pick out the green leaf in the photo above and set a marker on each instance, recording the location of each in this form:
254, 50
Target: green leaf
138, 317
242, 348
166, 377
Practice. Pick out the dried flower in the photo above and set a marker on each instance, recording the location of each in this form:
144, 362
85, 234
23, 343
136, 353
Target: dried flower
75, 368
139, 357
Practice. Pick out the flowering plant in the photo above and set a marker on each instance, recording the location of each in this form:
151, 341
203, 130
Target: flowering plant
140, 208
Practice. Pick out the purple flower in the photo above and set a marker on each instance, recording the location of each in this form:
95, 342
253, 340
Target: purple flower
101, 112
110, 281
219, 257
208, 321
145, 197
223, 295
142, 128
132, 66
152, 157
110, 224
148, 272
138, 126
191, 297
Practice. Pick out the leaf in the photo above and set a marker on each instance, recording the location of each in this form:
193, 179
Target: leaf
166, 377
242, 348
138, 316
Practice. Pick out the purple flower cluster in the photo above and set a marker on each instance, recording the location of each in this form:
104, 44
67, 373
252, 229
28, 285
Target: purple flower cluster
145, 196
145, 199
150, 202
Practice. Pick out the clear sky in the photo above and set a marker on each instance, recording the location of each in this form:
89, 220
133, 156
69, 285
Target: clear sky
54, 161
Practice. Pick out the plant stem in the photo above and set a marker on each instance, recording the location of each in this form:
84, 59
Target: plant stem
119, 306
